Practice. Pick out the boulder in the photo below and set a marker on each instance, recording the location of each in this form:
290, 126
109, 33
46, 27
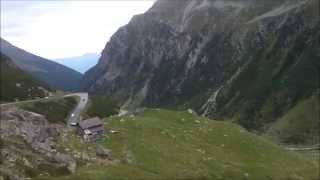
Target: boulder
66, 160
103, 152
192, 112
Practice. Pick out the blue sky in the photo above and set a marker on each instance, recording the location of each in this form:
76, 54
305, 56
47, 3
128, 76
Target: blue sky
59, 29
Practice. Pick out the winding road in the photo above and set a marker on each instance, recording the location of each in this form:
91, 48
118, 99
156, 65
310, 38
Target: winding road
27, 101
304, 148
75, 115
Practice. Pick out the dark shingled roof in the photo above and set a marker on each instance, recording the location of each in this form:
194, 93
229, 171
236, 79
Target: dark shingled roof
96, 129
90, 123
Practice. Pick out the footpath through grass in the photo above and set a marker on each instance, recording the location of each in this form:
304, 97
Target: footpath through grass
164, 144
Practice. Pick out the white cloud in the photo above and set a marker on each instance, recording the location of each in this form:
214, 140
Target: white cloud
57, 29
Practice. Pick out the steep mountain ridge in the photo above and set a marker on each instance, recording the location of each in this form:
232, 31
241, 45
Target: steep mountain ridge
55, 75
247, 60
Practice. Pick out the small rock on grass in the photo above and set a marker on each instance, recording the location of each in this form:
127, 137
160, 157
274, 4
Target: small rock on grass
103, 152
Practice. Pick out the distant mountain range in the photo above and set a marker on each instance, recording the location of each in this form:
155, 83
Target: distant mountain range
80, 63
51, 73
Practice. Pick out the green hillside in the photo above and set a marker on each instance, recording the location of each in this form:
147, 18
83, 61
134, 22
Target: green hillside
300, 125
17, 85
164, 144
55, 110
102, 106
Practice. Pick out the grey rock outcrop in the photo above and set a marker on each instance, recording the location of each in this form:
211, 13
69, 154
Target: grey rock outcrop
65, 160
32, 127
29, 141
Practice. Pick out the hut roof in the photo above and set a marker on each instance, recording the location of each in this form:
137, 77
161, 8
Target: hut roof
90, 123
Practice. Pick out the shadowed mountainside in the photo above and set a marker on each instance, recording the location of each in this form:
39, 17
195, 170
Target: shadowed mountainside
55, 75
16, 84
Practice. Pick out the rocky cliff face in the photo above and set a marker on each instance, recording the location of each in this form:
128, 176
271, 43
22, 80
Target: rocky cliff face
250, 60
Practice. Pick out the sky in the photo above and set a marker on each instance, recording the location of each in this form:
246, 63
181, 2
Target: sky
60, 29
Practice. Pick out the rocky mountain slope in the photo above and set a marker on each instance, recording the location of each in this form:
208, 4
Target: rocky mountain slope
16, 84
246, 60
55, 75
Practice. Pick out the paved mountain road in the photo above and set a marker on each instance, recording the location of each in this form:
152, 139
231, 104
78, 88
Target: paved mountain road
75, 115
304, 148
27, 101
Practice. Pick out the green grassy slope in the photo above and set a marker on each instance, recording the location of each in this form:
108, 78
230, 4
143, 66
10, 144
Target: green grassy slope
101, 106
15, 84
300, 125
55, 110
176, 145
